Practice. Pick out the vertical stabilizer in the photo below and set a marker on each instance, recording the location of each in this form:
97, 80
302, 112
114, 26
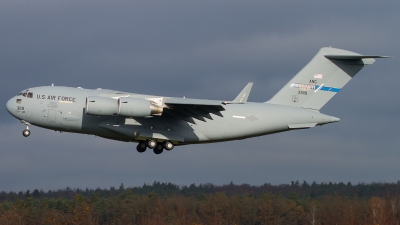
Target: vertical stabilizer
322, 78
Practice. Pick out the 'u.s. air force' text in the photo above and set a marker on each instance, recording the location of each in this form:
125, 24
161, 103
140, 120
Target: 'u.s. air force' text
54, 97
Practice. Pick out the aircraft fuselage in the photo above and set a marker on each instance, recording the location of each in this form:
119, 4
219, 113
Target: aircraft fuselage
63, 109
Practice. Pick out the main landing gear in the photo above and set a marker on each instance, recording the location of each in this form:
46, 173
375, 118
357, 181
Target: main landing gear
141, 147
158, 147
26, 132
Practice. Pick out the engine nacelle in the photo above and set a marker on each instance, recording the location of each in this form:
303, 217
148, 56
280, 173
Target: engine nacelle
101, 106
137, 107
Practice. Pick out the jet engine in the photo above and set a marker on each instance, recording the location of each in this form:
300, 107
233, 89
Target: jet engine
101, 106
124, 106
137, 107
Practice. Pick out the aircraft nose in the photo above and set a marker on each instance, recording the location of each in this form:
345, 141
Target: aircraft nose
9, 105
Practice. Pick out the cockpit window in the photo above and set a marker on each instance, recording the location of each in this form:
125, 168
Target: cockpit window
26, 94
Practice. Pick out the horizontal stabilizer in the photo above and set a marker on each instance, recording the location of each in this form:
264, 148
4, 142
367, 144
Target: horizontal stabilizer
351, 57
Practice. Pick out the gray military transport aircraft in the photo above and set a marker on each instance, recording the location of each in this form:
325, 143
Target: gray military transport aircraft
159, 122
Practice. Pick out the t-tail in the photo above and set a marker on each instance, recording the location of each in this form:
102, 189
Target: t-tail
323, 77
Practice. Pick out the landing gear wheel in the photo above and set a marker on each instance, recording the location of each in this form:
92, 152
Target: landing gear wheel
168, 145
26, 133
141, 147
151, 143
158, 149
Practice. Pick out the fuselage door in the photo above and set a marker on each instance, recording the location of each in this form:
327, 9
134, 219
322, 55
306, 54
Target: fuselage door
51, 116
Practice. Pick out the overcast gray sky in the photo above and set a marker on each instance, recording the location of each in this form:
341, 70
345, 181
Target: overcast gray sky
200, 49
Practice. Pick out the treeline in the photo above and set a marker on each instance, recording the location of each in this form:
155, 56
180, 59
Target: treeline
166, 203
304, 189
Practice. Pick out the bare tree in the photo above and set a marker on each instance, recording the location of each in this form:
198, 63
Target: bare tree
312, 212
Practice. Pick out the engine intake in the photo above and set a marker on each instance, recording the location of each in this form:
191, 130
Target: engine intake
101, 106
137, 107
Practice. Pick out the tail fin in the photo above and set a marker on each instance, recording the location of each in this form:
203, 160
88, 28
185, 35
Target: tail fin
322, 78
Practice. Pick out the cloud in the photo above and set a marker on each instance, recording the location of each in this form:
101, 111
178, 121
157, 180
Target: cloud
204, 50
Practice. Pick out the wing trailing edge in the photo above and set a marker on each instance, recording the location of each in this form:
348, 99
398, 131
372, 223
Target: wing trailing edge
187, 109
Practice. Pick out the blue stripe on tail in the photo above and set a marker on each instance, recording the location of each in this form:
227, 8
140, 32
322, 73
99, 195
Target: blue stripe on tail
324, 88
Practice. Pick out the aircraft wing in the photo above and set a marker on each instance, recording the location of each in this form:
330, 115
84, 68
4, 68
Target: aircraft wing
186, 109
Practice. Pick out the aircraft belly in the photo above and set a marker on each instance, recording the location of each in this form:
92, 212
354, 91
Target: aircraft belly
141, 128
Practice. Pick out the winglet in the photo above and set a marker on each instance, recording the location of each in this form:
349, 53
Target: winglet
244, 94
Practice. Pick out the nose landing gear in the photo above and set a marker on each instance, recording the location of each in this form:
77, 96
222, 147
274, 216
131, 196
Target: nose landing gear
26, 132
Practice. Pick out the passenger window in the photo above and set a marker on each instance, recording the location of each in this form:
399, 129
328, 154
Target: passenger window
30, 94
19, 101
